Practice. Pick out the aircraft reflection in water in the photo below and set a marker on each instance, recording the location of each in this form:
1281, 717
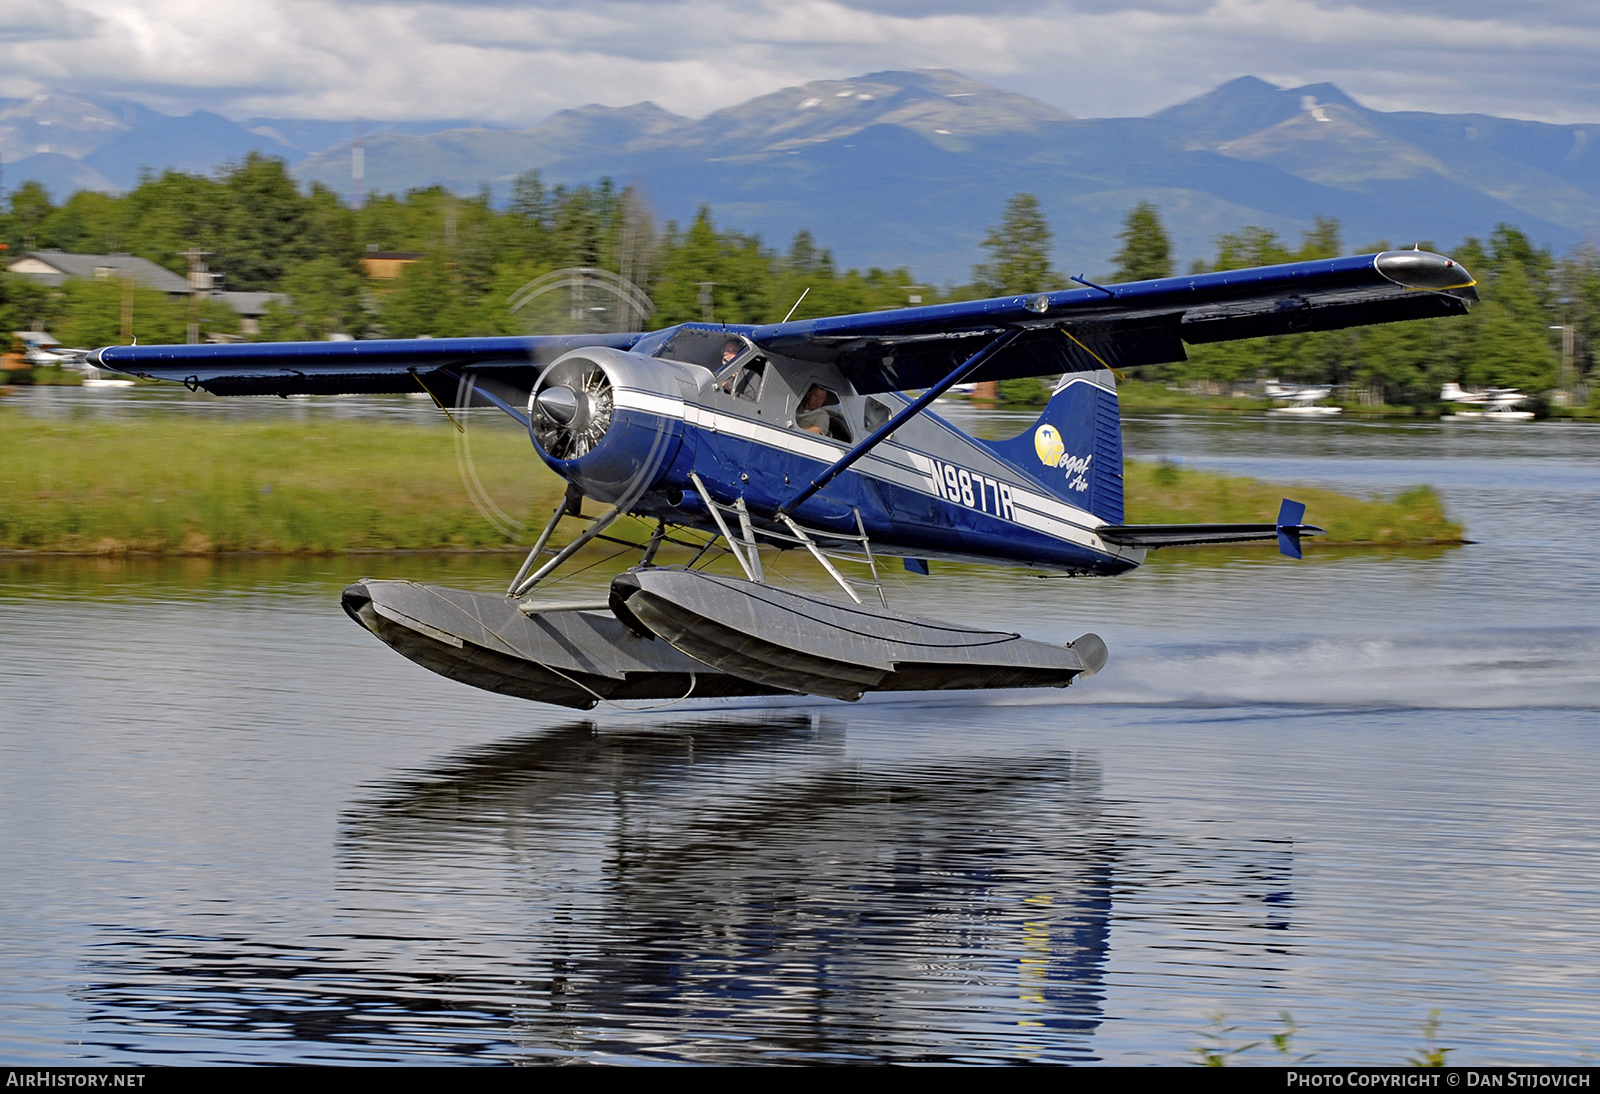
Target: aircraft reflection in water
713, 892
793, 902
797, 435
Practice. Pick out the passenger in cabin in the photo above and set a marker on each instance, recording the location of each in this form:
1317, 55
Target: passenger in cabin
818, 412
811, 416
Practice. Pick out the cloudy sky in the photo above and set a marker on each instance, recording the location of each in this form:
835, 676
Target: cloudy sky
517, 61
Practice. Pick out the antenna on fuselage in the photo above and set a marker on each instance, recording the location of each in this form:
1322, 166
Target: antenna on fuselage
797, 303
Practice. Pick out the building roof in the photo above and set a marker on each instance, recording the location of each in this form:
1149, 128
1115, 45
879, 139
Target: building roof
251, 304
54, 267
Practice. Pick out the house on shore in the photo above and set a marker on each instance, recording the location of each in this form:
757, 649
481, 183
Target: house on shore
54, 268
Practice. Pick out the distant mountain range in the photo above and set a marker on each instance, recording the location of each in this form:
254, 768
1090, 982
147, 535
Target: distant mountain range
909, 168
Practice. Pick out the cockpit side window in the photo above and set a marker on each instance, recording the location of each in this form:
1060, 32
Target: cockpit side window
747, 384
876, 414
819, 412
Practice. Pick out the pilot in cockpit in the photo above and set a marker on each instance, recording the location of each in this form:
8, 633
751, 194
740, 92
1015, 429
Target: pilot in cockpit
730, 351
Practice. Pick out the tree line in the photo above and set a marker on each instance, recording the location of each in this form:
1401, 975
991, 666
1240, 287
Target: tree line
262, 232
1535, 327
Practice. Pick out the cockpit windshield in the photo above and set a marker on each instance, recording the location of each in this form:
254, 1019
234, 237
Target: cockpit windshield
707, 347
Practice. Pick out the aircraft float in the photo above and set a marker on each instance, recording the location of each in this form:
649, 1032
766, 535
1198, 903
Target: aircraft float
816, 436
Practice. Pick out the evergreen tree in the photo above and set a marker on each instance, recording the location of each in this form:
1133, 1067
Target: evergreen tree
91, 313
325, 297
1505, 340
1511, 343
1509, 247
429, 302
1322, 241
24, 305
1019, 251
1577, 291
1249, 246
693, 259
1146, 250
264, 233
30, 209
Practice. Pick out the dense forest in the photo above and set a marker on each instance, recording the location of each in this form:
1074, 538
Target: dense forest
1534, 329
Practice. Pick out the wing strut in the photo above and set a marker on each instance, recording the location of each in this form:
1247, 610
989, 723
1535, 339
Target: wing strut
751, 563
917, 406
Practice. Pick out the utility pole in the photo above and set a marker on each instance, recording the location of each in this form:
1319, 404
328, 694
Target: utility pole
127, 310
1566, 381
705, 300
358, 166
200, 282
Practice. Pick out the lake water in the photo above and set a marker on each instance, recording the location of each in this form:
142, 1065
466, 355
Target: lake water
235, 828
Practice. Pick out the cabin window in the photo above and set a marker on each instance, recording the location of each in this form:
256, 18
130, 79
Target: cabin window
747, 384
819, 412
877, 413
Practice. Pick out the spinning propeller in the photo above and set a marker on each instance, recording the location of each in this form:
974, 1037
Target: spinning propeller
570, 408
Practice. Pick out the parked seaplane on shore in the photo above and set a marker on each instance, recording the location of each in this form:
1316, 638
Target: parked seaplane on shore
814, 436
1497, 404
1305, 400
42, 351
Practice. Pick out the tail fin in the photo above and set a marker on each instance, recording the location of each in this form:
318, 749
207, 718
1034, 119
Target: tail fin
1074, 450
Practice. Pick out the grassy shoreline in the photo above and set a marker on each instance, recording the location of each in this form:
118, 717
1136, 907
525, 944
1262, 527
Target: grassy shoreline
205, 487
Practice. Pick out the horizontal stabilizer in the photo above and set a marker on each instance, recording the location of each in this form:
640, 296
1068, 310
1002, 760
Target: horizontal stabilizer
1287, 530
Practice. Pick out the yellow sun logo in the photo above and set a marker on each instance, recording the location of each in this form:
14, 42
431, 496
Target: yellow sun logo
1047, 442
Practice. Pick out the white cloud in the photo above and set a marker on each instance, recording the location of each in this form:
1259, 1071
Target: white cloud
514, 62
43, 20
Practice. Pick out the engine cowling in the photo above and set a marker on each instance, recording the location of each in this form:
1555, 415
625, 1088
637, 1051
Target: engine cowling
604, 419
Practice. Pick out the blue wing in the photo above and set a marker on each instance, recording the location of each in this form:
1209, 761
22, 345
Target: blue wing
347, 368
1122, 326
1119, 326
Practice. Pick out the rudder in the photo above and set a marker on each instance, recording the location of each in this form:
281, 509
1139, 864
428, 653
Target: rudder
1074, 450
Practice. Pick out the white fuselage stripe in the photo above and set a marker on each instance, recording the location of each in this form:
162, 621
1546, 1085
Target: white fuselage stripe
890, 462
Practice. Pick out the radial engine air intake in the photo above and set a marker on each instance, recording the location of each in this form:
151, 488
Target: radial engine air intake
571, 407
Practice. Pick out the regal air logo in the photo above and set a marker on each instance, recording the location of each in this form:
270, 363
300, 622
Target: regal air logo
1052, 452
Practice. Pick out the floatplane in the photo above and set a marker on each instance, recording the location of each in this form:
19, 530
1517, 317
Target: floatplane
42, 351
812, 436
1301, 399
1498, 404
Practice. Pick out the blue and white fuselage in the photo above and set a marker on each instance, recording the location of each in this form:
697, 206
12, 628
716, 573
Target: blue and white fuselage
928, 490
807, 418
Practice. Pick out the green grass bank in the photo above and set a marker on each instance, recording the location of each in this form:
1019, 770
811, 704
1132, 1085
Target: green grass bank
204, 487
